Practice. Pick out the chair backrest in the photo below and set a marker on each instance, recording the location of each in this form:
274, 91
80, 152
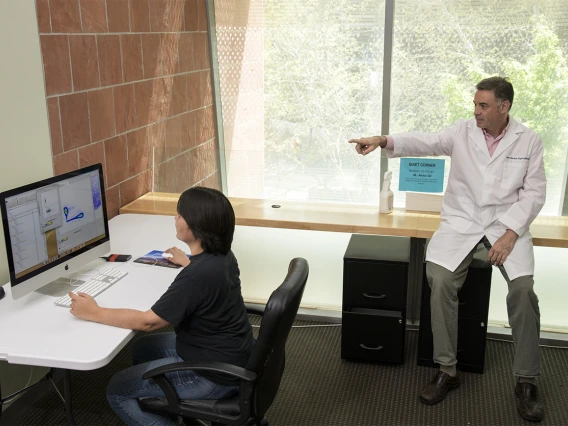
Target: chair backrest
268, 357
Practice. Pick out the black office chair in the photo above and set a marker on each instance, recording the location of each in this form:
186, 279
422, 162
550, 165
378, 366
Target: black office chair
259, 380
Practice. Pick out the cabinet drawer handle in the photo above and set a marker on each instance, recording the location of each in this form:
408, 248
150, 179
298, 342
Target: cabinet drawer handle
374, 296
377, 348
462, 303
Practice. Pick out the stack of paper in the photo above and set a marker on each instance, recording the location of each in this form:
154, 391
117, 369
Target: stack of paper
424, 201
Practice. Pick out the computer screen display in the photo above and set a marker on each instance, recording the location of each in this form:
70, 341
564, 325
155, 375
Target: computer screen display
50, 222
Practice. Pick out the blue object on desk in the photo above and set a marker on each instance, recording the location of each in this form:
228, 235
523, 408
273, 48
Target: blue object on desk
421, 175
155, 258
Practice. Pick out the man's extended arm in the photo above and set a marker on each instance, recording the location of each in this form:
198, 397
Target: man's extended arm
369, 144
411, 143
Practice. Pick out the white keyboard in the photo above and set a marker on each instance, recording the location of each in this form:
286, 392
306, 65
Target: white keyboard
95, 285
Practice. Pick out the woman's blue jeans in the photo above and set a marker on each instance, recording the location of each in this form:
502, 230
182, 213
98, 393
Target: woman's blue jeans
127, 386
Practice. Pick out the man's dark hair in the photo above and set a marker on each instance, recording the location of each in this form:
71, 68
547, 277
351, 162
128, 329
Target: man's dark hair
501, 87
210, 217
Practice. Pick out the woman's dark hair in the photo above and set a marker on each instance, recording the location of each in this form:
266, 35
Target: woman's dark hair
501, 87
210, 217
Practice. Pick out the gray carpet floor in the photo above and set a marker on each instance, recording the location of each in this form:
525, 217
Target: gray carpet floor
321, 389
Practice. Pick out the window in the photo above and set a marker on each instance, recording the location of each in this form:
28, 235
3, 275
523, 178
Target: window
298, 79
434, 77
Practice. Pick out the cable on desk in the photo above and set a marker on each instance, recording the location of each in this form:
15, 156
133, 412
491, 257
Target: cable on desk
74, 277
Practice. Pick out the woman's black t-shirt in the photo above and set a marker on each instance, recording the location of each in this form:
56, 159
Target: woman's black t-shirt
205, 305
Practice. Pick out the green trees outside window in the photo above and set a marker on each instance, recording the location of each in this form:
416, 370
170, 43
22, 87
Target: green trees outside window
323, 64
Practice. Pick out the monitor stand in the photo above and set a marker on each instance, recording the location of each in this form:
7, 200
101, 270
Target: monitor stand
60, 286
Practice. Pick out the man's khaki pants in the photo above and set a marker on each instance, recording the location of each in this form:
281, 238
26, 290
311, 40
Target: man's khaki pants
522, 307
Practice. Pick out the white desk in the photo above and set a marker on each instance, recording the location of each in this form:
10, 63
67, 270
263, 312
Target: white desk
37, 332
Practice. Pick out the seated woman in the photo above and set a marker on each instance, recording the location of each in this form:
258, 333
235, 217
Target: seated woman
204, 303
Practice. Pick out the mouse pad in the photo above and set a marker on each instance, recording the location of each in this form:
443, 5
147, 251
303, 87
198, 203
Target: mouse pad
155, 258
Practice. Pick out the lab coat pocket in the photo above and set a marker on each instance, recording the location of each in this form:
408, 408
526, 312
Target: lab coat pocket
513, 174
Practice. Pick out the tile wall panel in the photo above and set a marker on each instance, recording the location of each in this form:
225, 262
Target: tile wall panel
101, 114
65, 16
118, 17
84, 62
93, 16
110, 60
54, 126
151, 55
56, 64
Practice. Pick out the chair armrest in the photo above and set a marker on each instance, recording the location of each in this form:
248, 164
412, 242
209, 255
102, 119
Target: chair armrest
173, 405
255, 309
217, 367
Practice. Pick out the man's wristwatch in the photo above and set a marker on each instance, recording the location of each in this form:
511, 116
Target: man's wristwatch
382, 141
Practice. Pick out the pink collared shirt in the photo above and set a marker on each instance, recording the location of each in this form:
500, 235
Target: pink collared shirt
492, 142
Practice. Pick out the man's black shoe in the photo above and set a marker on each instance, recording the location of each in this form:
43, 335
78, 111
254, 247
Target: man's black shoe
436, 390
528, 405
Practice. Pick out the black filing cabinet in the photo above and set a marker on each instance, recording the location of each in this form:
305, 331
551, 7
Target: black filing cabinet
472, 318
375, 277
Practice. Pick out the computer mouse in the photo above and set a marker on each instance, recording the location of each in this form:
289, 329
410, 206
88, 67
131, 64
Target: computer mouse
2, 292
167, 255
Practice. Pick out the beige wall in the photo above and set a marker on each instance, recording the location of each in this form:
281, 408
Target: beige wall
24, 132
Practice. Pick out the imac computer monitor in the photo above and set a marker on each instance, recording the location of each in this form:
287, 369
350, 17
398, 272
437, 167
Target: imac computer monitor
54, 227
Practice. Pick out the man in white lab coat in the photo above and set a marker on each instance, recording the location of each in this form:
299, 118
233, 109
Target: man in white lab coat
496, 188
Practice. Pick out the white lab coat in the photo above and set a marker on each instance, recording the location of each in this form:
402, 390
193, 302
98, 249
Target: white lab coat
485, 195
